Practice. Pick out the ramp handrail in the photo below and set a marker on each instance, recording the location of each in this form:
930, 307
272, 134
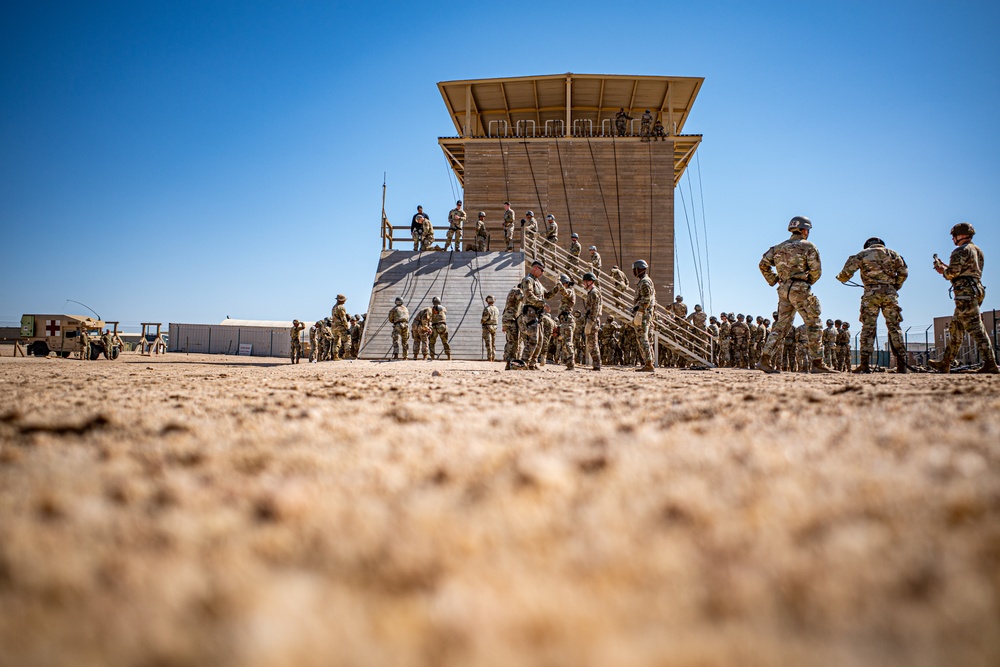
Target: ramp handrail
676, 333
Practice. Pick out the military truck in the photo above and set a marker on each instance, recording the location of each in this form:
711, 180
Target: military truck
43, 334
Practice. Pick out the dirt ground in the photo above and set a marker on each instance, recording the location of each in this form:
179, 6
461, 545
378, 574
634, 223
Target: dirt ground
209, 510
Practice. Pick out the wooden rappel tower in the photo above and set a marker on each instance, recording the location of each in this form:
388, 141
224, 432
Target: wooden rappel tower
573, 146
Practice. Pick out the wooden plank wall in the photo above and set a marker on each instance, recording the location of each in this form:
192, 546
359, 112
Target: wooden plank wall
461, 279
617, 195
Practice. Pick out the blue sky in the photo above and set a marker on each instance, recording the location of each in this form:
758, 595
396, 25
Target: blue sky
185, 161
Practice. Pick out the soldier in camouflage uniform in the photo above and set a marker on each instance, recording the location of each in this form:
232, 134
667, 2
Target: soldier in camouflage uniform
399, 318
619, 278
107, 344
794, 265
645, 305
645, 124
489, 321
789, 361
593, 307
844, 347
551, 233
698, 317
802, 348
574, 254
547, 327
529, 234
312, 342
965, 271
713, 331
725, 340
84, 344
421, 328
830, 343
340, 327
509, 319
456, 222
439, 328
595, 262
296, 340
508, 226
741, 342
427, 242
531, 313
883, 272
755, 334
567, 325
482, 236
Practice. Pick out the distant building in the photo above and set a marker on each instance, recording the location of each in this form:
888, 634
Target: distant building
967, 354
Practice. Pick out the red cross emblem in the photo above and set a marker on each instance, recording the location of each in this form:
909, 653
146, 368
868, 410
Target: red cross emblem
52, 327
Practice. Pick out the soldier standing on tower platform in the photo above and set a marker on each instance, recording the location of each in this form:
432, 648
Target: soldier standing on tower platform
508, 226
456, 221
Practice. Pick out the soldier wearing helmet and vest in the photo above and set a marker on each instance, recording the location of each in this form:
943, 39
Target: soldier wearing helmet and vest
644, 307
489, 321
593, 306
595, 260
698, 317
567, 325
574, 253
399, 318
794, 266
883, 272
531, 313
508, 226
482, 236
830, 344
439, 328
296, 340
339, 327
509, 324
965, 271
619, 277
529, 234
456, 221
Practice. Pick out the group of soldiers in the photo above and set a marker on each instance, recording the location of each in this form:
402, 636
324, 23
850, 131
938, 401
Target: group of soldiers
331, 339
107, 340
428, 325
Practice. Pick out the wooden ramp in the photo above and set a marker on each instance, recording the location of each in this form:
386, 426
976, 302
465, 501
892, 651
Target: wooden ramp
461, 279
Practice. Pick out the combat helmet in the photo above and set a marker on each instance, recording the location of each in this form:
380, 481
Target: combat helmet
799, 222
697, 307
874, 241
678, 298
550, 217
847, 325
593, 248
564, 279
341, 298
963, 229
399, 301
713, 318
589, 276
829, 322
639, 265
482, 214
436, 301
836, 322
489, 298
530, 214
574, 235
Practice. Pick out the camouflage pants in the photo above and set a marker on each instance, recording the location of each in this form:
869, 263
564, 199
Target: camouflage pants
85, 352
590, 334
567, 334
788, 360
643, 333
884, 300
417, 238
440, 330
724, 352
296, 350
830, 354
796, 297
844, 357
508, 238
456, 234
400, 331
481, 243
339, 338
740, 353
420, 337
510, 330
967, 320
490, 341
531, 245
528, 328
427, 242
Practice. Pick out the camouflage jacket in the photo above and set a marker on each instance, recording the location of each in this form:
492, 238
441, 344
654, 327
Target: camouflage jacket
713, 330
620, 278
645, 294
844, 337
512, 308
491, 316
698, 318
567, 298
439, 314
534, 294
456, 218
312, 334
794, 259
422, 320
428, 229
551, 230
724, 329
341, 320
966, 261
679, 309
481, 229
531, 227
575, 248
829, 336
399, 315
595, 261
295, 333
740, 331
879, 267
508, 219
593, 304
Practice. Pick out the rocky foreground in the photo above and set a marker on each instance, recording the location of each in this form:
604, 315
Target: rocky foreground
192, 509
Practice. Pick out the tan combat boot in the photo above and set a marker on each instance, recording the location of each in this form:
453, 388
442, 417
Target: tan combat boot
765, 365
989, 366
819, 367
864, 366
943, 366
648, 368
901, 366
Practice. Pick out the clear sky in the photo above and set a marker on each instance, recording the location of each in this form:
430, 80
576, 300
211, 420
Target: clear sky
185, 161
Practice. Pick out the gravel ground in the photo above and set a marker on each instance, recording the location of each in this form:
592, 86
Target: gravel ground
194, 509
